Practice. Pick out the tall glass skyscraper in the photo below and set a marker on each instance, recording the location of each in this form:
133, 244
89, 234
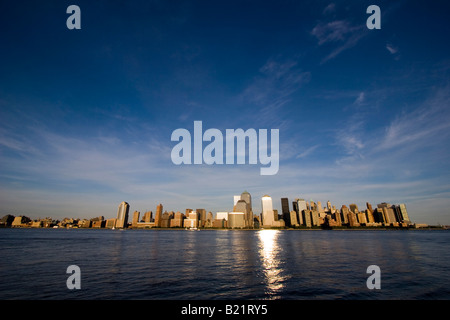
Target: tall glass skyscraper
267, 211
122, 215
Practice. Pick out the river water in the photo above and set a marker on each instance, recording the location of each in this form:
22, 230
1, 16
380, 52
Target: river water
224, 264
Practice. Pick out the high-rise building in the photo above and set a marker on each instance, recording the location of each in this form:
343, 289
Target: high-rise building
236, 220
293, 219
158, 215
344, 214
177, 221
201, 217
286, 213
222, 216
248, 199
267, 211
315, 217
301, 206
148, 216
241, 201
241, 206
192, 220
122, 215
135, 218
354, 208
306, 214
404, 213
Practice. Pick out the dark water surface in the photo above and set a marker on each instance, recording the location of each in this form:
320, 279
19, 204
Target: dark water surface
220, 264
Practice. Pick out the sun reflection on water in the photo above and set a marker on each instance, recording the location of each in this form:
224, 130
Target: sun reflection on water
269, 249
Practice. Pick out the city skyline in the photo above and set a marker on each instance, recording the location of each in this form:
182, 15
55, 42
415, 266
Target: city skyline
303, 214
86, 115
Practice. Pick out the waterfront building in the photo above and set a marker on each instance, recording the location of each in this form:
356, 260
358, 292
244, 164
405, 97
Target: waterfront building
166, 217
329, 208
20, 221
317, 217
320, 211
268, 218
352, 221
236, 220
191, 221
98, 224
7, 220
177, 221
301, 207
248, 199
122, 215
306, 214
135, 220
158, 215
361, 216
286, 213
249, 214
201, 217
378, 215
354, 208
222, 216
293, 219
344, 214
404, 213
148, 216
241, 206
243, 203
110, 223
219, 223
337, 218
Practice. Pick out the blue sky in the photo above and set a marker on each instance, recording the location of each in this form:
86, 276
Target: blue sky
86, 115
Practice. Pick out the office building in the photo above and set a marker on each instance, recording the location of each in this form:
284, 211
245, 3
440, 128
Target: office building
236, 220
122, 215
285, 212
403, 213
191, 220
301, 207
135, 220
177, 221
293, 219
267, 211
241, 206
158, 215
222, 216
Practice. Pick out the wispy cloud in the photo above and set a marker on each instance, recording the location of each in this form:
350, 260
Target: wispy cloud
360, 99
391, 48
272, 88
339, 32
307, 152
425, 125
329, 8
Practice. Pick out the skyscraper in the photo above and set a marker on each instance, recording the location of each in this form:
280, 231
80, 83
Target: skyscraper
285, 211
122, 215
267, 211
248, 199
404, 213
236, 220
243, 203
158, 215
301, 205
241, 206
